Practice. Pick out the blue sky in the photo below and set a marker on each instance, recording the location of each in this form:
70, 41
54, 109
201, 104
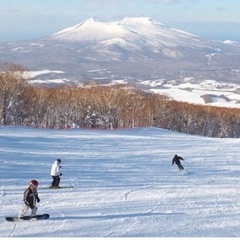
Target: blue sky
30, 19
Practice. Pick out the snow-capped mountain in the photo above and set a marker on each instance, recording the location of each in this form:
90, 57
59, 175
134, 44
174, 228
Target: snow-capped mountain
131, 37
133, 50
130, 32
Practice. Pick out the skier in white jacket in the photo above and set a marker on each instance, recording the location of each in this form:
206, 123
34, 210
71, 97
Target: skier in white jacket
56, 173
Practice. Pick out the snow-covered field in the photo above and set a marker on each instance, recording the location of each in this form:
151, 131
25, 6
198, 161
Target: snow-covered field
204, 92
124, 183
191, 90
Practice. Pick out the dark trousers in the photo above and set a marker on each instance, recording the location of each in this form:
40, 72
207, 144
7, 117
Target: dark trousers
180, 166
56, 181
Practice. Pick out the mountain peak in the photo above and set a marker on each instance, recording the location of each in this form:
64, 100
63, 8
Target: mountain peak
133, 48
132, 29
140, 20
91, 30
74, 28
137, 19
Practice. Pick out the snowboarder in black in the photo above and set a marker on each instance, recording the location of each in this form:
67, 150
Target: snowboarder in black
176, 160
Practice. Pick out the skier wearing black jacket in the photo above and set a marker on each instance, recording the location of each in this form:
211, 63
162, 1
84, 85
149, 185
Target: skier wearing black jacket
176, 160
30, 197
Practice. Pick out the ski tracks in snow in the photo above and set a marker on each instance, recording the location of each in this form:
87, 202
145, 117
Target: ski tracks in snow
55, 214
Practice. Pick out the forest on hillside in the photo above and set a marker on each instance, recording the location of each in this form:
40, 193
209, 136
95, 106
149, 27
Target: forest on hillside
105, 107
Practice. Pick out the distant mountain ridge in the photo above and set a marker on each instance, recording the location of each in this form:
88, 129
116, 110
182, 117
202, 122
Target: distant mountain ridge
132, 35
139, 30
133, 50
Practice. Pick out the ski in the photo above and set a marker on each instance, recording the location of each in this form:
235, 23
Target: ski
50, 187
60, 187
38, 217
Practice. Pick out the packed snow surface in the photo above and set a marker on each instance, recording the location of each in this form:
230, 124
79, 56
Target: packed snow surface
124, 183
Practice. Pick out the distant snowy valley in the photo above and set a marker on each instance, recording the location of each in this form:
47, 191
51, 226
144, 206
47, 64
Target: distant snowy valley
191, 90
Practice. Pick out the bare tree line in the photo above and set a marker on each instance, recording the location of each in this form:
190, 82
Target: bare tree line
105, 107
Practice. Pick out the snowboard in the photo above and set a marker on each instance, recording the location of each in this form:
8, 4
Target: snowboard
38, 217
60, 187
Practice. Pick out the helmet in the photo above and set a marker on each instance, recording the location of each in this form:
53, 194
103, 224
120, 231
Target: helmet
33, 183
59, 160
